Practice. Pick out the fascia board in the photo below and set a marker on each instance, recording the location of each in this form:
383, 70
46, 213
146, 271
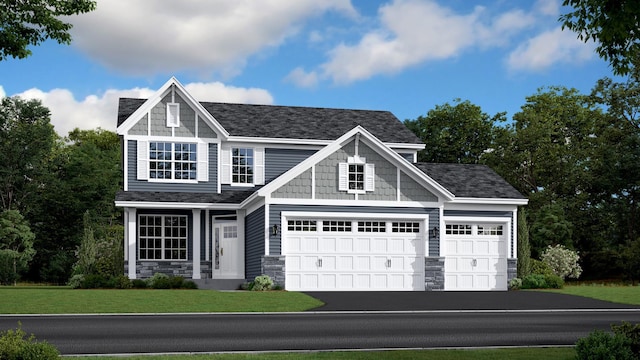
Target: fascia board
175, 205
312, 142
490, 201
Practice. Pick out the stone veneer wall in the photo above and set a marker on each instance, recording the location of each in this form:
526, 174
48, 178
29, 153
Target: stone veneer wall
273, 266
512, 269
434, 273
146, 269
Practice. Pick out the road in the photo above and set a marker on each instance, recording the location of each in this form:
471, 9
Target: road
120, 334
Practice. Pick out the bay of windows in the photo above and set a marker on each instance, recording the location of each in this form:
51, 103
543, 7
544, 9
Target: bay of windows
162, 237
173, 161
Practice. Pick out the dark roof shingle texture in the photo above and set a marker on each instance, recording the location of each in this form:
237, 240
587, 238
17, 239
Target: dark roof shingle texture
470, 180
293, 122
228, 197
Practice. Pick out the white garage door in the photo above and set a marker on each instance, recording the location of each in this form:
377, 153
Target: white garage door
347, 255
476, 257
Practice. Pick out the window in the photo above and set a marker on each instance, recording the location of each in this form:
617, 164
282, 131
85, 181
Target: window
301, 225
162, 237
372, 226
490, 230
458, 229
405, 227
242, 166
173, 115
336, 226
173, 161
356, 176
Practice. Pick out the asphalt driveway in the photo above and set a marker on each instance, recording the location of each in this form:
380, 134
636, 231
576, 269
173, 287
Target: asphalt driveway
456, 300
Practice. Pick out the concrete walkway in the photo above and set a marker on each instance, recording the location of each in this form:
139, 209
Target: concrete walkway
429, 300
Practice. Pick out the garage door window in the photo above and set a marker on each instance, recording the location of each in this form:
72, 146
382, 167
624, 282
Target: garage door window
458, 229
301, 225
405, 227
336, 226
490, 230
372, 226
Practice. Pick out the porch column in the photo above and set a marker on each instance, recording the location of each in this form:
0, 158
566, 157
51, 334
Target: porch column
131, 241
196, 244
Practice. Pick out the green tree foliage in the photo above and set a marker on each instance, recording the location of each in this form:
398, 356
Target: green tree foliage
524, 247
459, 133
16, 244
26, 140
31, 22
613, 25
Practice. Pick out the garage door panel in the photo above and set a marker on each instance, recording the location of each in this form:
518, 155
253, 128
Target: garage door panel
327, 245
345, 245
345, 263
308, 244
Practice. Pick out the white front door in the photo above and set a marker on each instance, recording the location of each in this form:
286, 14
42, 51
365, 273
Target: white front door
227, 257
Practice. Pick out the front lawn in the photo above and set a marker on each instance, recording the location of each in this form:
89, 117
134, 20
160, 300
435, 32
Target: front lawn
63, 300
614, 293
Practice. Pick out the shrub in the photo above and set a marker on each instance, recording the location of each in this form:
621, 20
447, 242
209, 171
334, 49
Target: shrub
120, 282
138, 284
247, 286
94, 281
188, 284
262, 283
601, 345
562, 261
76, 281
151, 282
176, 282
631, 332
7, 275
539, 267
554, 281
515, 284
534, 281
16, 345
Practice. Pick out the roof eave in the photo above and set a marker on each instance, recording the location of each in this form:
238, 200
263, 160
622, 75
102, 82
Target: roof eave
491, 201
175, 205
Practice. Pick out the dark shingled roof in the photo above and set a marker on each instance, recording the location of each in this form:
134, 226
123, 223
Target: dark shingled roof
293, 122
228, 197
470, 180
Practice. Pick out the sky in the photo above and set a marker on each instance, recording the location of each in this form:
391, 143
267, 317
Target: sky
403, 56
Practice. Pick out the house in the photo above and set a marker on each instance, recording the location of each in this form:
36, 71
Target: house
319, 199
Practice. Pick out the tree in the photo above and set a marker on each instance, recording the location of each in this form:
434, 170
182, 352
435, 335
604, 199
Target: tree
26, 140
613, 24
524, 247
31, 22
459, 133
16, 242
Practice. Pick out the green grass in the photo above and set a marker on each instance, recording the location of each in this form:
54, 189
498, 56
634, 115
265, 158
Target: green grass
63, 300
614, 293
490, 354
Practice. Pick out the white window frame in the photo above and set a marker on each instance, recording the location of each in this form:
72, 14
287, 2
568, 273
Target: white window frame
164, 237
368, 176
173, 114
226, 165
201, 161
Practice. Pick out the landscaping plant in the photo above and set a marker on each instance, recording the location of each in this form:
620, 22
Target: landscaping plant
562, 261
16, 345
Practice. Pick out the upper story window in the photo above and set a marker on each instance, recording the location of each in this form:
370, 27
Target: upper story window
241, 166
172, 161
356, 176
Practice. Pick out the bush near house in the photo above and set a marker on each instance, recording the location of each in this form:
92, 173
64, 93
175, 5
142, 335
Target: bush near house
157, 281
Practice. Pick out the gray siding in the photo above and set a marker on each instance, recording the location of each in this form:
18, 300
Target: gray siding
276, 210
410, 190
141, 127
205, 131
254, 240
158, 116
386, 176
138, 185
298, 188
187, 126
407, 156
327, 175
278, 161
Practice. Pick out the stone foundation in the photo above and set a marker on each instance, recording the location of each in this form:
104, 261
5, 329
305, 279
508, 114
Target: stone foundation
146, 269
434, 273
512, 269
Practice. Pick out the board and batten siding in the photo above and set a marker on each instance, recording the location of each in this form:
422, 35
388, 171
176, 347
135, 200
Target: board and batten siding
275, 212
254, 240
143, 185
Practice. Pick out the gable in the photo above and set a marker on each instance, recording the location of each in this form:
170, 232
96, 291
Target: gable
384, 175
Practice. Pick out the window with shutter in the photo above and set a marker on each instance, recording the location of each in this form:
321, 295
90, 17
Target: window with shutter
356, 176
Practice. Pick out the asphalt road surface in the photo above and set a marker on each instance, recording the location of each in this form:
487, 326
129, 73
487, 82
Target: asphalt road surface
184, 333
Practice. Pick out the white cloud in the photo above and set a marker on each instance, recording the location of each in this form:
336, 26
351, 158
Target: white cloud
68, 113
301, 78
549, 48
142, 37
414, 32
548, 7
2, 93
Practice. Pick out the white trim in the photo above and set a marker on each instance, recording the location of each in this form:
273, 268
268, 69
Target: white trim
125, 165
132, 230
477, 219
218, 169
207, 236
173, 114
312, 143
176, 205
515, 235
267, 233
442, 243
322, 215
366, 203
196, 238
490, 201
157, 138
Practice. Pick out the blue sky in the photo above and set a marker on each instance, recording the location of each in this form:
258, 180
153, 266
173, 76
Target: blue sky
404, 56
